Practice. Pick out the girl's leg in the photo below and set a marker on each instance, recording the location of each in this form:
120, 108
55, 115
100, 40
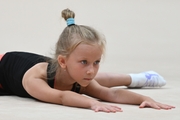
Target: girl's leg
1, 55
144, 79
112, 80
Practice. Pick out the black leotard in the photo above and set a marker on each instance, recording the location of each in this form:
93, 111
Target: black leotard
13, 66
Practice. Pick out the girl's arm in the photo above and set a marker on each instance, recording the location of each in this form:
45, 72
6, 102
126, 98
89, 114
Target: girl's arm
122, 96
38, 88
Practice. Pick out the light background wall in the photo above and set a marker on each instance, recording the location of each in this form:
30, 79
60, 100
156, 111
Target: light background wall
141, 34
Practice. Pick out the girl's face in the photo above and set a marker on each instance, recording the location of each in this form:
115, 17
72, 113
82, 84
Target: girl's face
83, 63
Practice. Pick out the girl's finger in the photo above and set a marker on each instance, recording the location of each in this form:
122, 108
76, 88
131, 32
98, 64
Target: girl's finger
142, 105
164, 106
118, 109
154, 105
146, 104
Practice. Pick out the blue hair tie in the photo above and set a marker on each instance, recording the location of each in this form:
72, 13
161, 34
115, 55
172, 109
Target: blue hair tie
70, 21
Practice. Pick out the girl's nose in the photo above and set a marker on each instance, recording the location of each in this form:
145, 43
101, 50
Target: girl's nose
90, 70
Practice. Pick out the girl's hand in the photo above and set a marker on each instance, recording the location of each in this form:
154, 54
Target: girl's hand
101, 107
154, 104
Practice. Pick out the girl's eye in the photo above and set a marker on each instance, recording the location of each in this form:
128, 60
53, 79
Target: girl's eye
97, 62
84, 62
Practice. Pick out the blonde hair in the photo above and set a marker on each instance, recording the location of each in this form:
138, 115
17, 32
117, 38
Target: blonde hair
74, 35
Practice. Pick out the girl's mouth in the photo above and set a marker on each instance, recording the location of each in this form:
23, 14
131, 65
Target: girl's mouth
88, 79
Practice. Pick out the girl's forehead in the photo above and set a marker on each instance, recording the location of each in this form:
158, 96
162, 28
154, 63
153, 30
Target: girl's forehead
87, 50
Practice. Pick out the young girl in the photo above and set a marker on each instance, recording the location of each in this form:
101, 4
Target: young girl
73, 72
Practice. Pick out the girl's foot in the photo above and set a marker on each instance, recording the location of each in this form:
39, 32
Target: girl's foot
147, 79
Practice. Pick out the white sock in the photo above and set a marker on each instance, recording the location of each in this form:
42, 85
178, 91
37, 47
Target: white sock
147, 79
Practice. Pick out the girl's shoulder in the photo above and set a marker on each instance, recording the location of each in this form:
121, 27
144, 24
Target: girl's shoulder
39, 70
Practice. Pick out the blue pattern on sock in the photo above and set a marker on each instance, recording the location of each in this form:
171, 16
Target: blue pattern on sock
149, 76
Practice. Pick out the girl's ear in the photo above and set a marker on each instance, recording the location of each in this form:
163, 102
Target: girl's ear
62, 61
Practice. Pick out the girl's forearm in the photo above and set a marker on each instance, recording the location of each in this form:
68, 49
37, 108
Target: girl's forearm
128, 97
72, 99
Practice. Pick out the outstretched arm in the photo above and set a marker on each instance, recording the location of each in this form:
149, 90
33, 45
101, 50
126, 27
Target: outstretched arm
38, 88
123, 96
67, 98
